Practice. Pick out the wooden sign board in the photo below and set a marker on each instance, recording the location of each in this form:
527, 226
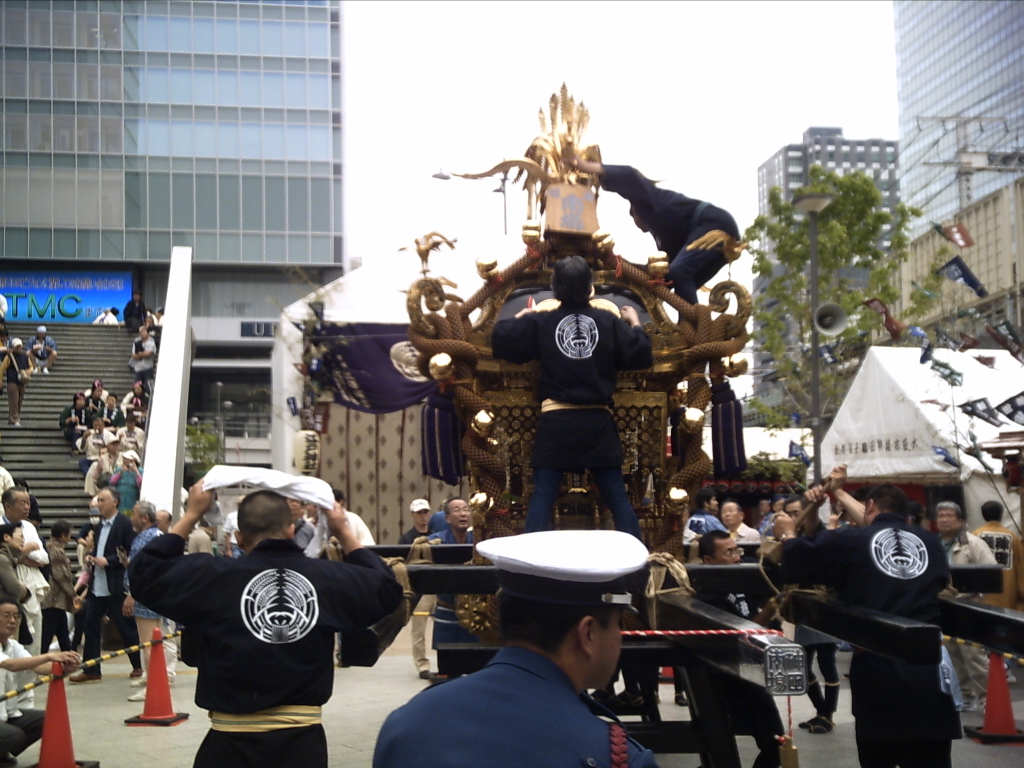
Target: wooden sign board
570, 208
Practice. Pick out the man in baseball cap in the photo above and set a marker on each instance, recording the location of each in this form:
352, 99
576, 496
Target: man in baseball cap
43, 349
420, 511
561, 601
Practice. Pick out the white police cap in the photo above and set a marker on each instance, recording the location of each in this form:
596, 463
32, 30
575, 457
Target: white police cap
569, 567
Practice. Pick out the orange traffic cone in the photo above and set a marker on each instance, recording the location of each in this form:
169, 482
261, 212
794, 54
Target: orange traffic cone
999, 727
56, 749
158, 709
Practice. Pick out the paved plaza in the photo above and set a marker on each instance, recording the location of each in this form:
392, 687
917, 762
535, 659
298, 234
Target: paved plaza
364, 697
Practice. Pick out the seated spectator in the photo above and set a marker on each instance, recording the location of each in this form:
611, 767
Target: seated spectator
143, 359
74, 420
128, 481
96, 397
138, 401
20, 724
109, 462
44, 349
6, 481
132, 438
107, 317
134, 313
92, 443
111, 413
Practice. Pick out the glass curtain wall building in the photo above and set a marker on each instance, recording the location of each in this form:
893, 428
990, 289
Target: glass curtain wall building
960, 70
131, 127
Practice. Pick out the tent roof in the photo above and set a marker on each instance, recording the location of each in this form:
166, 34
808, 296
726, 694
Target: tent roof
885, 427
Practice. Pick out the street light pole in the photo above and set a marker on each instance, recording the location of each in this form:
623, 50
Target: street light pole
220, 423
812, 205
504, 199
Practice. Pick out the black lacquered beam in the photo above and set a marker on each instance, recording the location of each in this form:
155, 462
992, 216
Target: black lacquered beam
1000, 629
882, 633
449, 554
768, 660
977, 578
723, 579
453, 579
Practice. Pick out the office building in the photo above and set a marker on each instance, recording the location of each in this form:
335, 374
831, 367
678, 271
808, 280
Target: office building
132, 127
960, 66
960, 69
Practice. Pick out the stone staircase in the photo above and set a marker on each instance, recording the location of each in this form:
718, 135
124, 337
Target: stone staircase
36, 452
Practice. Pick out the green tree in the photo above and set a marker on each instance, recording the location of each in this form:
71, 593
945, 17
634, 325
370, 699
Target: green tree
853, 266
202, 446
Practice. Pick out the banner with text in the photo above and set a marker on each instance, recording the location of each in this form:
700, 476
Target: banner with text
63, 297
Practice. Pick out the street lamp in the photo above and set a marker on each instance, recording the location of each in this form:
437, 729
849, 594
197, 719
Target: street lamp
504, 199
813, 204
443, 175
220, 422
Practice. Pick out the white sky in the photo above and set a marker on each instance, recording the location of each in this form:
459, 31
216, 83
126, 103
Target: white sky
697, 94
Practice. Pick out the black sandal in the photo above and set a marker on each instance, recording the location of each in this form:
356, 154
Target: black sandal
820, 724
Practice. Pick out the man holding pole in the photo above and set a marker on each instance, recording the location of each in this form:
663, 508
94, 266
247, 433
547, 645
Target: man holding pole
261, 628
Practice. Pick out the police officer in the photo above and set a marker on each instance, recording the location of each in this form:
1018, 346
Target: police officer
904, 712
261, 628
562, 596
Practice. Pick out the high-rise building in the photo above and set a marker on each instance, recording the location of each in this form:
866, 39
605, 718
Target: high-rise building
960, 70
789, 169
959, 66
131, 127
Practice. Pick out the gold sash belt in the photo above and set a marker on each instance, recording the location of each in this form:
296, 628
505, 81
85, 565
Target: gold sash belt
558, 405
273, 719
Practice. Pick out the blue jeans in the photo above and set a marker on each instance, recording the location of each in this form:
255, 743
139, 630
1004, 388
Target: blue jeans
609, 483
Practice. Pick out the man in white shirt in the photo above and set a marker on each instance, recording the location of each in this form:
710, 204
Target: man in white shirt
20, 724
143, 360
16, 504
107, 317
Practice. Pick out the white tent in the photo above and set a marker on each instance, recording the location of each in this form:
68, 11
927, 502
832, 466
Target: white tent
374, 458
899, 411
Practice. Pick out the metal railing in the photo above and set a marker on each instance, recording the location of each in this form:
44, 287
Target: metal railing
246, 426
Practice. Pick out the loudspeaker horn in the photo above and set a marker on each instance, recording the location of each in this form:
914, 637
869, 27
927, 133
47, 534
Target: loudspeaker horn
831, 319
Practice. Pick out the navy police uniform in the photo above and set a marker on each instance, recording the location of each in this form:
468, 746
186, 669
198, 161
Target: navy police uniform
675, 221
523, 708
581, 350
520, 710
264, 628
896, 568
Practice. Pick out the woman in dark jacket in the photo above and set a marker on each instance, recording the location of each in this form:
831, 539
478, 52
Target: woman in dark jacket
18, 368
